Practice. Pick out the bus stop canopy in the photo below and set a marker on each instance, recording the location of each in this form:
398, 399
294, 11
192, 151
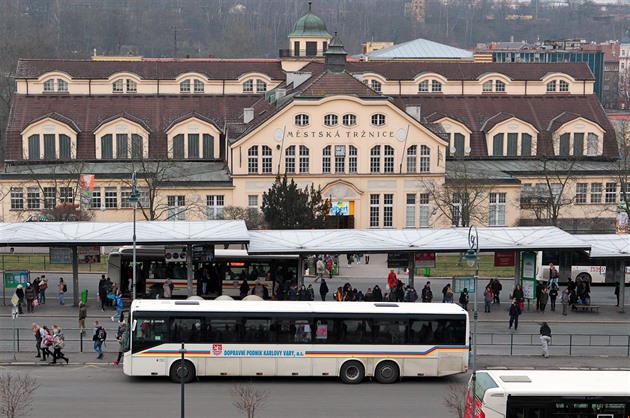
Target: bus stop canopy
313, 241
120, 233
608, 245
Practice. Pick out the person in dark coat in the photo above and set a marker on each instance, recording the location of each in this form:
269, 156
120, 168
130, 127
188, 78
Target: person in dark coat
30, 295
496, 290
515, 311
517, 294
323, 289
244, 289
377, 294
427, 293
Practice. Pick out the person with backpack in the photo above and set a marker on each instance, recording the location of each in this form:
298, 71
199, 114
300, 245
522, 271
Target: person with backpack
63, 288
47, 341
102, 292
119, 306
58, 345
427, 293
463, 299
447, 294
99, 337
43, 285
496, 290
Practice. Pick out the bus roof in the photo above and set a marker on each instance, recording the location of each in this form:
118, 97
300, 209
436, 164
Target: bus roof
220, 253
163, 305
558, 382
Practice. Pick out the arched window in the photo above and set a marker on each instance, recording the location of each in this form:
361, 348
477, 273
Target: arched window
331, 120
248, 86
252, 160
349, 119
375, 159
261, 86
388, 160
199, 86
412, 153
563, 86
326, 159
289, 159
376, 85
436, 86
499, 86
184, 86
378, 119
423, 87
551, 86
301, 120
49, 85
304, 159
425, 159
267, 159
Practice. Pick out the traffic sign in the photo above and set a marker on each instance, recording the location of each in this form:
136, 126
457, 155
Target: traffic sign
15, 300
134, 197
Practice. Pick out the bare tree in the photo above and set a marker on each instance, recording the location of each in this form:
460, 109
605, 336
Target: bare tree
248, 400
462, 197
254, 219
455, 399
16, 394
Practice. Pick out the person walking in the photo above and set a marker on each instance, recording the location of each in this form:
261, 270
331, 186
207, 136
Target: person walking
553, 275
564, 299
99, 338
119, 305
447, 294
320, 268
323, 287
545, 339
29, 295
120, 336
58, 345
63, 288
544, 298
392, 280
617, 292
515, 311
38, 339
82, 316
47, 341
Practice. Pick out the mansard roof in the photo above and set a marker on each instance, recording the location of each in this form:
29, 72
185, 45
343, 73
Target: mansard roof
539, 111
151, 69
469, 71
334, 84
156, 113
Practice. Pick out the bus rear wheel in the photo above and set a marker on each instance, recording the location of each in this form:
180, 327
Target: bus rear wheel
387, 372
352, 372
187, 373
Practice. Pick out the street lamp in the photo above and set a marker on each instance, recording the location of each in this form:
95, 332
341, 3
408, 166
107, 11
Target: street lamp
472, 259
134, 197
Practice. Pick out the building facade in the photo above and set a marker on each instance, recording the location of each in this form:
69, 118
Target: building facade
393, 144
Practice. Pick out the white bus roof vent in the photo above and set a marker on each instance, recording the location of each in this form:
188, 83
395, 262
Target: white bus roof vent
386, 305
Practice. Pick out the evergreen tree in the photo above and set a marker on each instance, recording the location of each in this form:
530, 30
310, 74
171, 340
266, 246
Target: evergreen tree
285, 206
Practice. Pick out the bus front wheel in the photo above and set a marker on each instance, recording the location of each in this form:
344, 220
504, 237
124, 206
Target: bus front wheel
352, 372
187, 373
387, 372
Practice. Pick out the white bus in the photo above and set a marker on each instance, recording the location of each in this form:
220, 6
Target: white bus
351, 340
551, 393
582, 266
222, 274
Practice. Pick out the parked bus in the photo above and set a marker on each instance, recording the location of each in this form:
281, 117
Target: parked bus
582, 266
281, 338
551, 393
221, 273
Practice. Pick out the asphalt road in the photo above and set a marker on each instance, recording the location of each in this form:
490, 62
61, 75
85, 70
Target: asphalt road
105, 392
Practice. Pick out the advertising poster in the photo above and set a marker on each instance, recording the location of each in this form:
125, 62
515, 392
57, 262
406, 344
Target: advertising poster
461, 282
425, 259
14, 278
86, 190
60, 255
174, 254
89, 255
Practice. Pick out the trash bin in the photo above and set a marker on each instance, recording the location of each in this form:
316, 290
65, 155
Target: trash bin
334, 271
84, 296
427, 271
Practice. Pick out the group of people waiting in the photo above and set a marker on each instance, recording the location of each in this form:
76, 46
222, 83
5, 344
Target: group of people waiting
34, 294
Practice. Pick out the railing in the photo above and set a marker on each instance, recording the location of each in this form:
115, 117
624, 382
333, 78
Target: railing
287, 53
487, 343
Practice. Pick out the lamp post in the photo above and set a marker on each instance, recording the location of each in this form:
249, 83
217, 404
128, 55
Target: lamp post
472, 259
134, 197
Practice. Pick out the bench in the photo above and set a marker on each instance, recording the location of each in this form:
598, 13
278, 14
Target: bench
586, 308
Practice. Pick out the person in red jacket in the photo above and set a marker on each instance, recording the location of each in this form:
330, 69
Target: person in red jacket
392, 279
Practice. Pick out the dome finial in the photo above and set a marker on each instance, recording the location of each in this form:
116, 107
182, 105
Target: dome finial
310, 3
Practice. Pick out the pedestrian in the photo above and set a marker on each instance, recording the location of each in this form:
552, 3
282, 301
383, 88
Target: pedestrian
392, 280
244, 289
43, 285
463, 299
617, 292
411, 295
545, 339
357, 259
544, 298
553, 275
99, 338
119, 305
120, 336
167, 288
488, 297
29, 295
102, 292
349, 257
515, 311
553, 294
323, 287
377, 294
367, 258
447, 294
320, 268
369, 296
38, 339
496, 291
58, 345
539, 288
293, 293
310, 292
302, 293
564, 299
47, 341
339, 294
517, 294
36, 283
82, 316
427, 293
330, 264
110, 291
63, 288
19, 292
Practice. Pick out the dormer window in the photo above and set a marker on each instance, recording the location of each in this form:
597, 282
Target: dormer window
493, 86
124, 85
436, 86
423, 87
132, 86
199, 86
429, 85
301, 120
49, 85
248, 86
184, 86
376, 85
261, 86
62, 85
117, 86
551, 86
563, 86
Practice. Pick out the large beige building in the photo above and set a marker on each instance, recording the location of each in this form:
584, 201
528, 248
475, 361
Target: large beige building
392, 144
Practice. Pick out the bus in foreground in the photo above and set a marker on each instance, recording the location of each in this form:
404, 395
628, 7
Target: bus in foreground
551, 393
352, 340
214, 276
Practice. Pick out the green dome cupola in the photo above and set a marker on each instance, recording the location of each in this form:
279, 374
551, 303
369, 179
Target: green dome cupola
310, 25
